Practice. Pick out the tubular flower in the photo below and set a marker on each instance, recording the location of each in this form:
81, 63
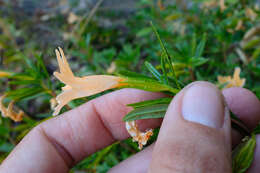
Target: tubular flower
234, 81
77, 87
9, 112
137, 135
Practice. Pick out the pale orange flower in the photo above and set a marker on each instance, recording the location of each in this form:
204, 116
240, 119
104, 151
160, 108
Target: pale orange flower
9, 112
234, 81
77, 87
251, 14
239, 25
137, 135
4, 74
72, 18
111, 68
222, 5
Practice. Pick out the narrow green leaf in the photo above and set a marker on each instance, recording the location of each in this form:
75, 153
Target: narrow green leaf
144, 32
201, 46
29, 63
147, 84
22, 93
166, 100
166, 59
41, 66
256, 53
252, 43
153, 70
147, 112
164, 70
193, 44
243, 155
130, 74
22, 76
197, 61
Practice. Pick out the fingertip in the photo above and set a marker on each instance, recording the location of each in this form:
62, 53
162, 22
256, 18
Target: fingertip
244, 104
196, 125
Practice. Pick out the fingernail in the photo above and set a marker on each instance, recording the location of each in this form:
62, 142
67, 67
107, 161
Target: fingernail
203, 103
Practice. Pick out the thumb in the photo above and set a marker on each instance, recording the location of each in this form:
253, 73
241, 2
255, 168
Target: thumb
195, 134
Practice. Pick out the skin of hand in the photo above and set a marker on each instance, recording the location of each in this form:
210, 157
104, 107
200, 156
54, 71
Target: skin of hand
195, 134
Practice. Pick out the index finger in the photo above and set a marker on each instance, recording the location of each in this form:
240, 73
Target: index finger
59, 143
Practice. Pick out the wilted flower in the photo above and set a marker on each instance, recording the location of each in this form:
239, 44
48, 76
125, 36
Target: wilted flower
53, 103
72, 18
77, 87
111, 68
9, 112
137, 135
234, 81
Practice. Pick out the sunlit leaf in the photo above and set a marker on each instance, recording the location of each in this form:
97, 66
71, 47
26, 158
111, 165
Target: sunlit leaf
197, 61
147, 85
147, 112
166, 100
153, 70
144, 32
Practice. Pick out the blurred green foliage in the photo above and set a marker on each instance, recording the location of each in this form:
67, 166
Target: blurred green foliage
204, 40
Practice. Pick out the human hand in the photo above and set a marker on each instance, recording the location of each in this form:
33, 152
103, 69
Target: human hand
195, 135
